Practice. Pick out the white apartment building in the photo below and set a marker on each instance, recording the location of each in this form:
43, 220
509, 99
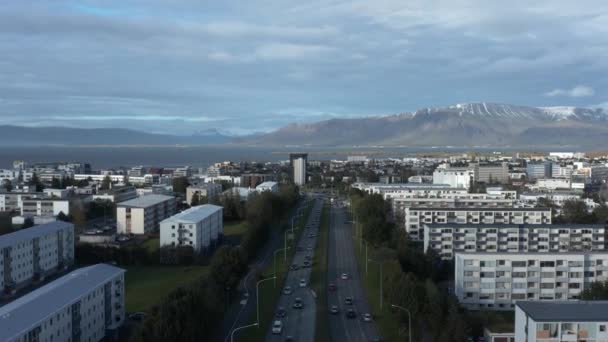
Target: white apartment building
33, 203
199, 227
488, 173
142, 215
100, 178
496, 281
298, 162
147, 179
568, 321
548, 184
448, 239
408, 190
416, 217
454, 177
116, 194
268, 186
31, 254
207, 190
87, 304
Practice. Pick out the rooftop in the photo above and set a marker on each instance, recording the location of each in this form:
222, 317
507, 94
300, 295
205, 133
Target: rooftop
30, 233
573, 311
20, 315
145, 201
479, 209
194, 214
267, 184
410, 186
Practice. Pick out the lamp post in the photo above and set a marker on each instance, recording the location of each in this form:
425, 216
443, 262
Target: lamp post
239, 328
257, 297
409, 319
381, 263
366, 259
274, 262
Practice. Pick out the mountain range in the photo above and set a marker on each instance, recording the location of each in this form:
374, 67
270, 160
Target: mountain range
468, 124
462, 125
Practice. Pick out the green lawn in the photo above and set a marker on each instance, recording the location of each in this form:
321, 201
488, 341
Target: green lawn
146, 285
235, 228
387, 322
318, 278
152, 244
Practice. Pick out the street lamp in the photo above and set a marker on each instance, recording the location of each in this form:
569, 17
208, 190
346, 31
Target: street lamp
239, 328
257, 297
381, 263
366, 244
274, 262
409, 319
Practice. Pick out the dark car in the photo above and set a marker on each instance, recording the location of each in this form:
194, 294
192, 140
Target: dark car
348, 300
332, 287
297, 304
351, 314
281, 312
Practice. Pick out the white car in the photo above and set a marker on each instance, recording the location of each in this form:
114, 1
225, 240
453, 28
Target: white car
367, 317
344, 276
302, 282
277, 327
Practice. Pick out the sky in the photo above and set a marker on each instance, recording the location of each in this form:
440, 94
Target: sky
184, 66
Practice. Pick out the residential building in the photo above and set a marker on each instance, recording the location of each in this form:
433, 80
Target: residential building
416, 217
242, 192
448, 239
298, 164
87, 304
199, 227
44, 207
491, 173
185, 171
116, 194
561, 321
408, 190
538, 170
550, 184
142, 215
455, 177
207, 190
147, 179
268, 186
496, 281
99, 178
252, 180
31, 254
57, 193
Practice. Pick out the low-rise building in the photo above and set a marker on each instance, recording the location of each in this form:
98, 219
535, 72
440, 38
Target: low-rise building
408, 190
200, 227
87, 304
417, 217
455, 177
31, 254
268, 186
561, 321
206, 190
142, 215
448, 239
116, 194
496, 281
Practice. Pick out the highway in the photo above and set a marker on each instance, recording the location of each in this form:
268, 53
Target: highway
342, 260
240, 312
298, 324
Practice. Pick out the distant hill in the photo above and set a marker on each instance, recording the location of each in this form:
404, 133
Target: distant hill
41, 136
468, 124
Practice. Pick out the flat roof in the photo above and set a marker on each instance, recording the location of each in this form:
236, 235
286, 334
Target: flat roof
145, 201
194, 214
29, 233
479, 209
511, 225
517, 253
411, 186
19, 316
267, 184
572, 311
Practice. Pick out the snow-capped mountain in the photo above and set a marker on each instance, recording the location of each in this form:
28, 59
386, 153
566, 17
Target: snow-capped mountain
465, 124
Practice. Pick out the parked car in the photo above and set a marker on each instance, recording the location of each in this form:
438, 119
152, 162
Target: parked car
344, 276
367, 317
302, 282
332, 287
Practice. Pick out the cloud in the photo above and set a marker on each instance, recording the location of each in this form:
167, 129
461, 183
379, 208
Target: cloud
577, 91
291, 51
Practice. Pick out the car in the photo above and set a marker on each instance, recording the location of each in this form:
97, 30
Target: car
297, 303
289, 339
481, 339
277, 327
294, 267
306, 264
367, 317
348, 300
309, 248
287, 290
332, 287
281, 312
308, 257
334, 309
138, 316
377, 339
302, 282
344, 276
351, 314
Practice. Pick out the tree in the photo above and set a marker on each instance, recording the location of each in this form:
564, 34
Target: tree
106, 183
56, 183
63, 217
6, 225
180, 184
27, 223
601, 213
35, 181
575, 211
597, 291
79, 217
196, 199
7, 185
